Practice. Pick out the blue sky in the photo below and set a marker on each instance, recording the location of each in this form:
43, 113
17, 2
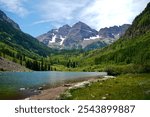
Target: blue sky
39, 16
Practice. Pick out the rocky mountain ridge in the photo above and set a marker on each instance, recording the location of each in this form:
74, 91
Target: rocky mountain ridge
80, 35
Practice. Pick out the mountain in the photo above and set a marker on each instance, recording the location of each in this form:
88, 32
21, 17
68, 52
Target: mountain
67, 37
80, 35
6, 19
141, 24
113, 32
129, 54
107, 36
55, 37
19, 47
11, 35
77, 34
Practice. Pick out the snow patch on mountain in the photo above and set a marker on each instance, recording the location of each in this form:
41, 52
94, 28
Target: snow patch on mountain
53, 39
62, 40
92, 38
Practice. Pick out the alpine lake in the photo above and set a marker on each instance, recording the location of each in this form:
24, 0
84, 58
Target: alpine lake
19, 85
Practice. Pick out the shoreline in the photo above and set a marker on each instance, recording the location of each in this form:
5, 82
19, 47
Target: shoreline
53, 93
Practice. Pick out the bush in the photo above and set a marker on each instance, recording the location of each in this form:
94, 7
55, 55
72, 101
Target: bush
124, 69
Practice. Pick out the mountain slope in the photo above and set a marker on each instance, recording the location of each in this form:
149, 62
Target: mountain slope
55, 36
132, 50
11, 35
6, 19
141, 24
11, 66
19, 47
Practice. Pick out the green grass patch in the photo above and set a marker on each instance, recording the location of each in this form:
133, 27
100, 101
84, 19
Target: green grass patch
124, 87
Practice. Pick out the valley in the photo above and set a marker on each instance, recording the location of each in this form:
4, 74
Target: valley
121, 51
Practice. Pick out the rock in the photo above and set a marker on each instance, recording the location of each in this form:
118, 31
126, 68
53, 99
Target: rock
104, 98
109, 77
82, 84
67, 85
37, 91
27, 99
40, 88
22, 89
71, 88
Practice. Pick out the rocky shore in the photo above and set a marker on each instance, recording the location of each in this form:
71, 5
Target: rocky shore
54, 93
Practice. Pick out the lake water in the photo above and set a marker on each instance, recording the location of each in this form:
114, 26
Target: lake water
13, 85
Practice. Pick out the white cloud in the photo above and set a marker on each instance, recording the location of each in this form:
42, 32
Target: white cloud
41, 21
59, 11
104, 13
14, 6
96, 13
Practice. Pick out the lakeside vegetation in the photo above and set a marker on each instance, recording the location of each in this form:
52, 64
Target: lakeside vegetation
124, 87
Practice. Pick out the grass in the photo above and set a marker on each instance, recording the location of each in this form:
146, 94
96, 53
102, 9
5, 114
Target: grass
124, 87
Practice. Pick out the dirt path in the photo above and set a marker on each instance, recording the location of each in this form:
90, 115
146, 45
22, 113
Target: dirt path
49, 94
